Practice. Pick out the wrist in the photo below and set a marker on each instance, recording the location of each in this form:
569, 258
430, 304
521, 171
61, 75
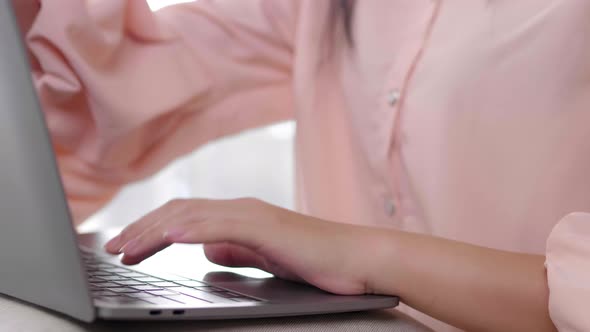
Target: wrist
382, 259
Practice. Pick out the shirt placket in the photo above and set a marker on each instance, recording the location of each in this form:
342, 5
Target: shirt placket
395, 203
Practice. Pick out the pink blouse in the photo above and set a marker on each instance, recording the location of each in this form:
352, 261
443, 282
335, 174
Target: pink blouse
465, 119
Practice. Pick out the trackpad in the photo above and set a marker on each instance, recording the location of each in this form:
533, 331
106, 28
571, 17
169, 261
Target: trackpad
271, 289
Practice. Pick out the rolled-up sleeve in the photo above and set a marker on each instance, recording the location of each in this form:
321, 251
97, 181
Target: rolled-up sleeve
126, 90
568, 273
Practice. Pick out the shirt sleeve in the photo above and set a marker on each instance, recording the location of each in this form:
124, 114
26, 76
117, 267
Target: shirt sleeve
568, 273
126, 90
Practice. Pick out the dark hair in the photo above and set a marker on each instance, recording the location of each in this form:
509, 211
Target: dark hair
340, 22
347, 9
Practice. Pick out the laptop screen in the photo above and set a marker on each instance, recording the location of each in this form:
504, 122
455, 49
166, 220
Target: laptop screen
38, 250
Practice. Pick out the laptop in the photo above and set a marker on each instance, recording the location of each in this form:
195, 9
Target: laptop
46, 263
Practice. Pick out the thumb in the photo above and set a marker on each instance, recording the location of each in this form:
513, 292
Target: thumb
232, 255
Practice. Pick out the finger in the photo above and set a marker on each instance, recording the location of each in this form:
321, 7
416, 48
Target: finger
205, 224
116, 244
130, 257
246, 222
145, 238
152, 240
217, 231
144, 245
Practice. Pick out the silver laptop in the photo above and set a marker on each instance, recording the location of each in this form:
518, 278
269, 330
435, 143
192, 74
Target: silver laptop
40, 252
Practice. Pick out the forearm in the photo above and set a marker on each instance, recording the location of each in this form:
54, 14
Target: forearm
474, 288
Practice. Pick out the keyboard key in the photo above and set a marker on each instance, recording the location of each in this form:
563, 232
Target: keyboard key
147, 288
116, 270
104, 284
148, 279
164, 276
99, 273
124, 290
162, 292
113, 278
132, 274
172, 277
191, 283
186, 299
165, 284
129, 283
141, 295
104, 266
96, 279
203, 295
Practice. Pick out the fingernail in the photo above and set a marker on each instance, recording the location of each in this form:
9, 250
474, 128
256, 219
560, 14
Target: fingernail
114, 244
131, 248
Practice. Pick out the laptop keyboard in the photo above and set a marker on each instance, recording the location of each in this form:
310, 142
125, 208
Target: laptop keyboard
115, 284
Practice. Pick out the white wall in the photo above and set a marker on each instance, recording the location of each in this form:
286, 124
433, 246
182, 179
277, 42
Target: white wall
265, 171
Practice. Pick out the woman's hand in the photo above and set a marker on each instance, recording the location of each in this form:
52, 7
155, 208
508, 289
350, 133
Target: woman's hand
471, 287
248, 232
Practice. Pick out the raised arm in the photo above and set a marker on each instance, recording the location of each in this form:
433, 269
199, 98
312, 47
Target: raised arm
125, 90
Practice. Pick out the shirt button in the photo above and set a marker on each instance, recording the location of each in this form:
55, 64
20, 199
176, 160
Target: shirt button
393, 97
389, 207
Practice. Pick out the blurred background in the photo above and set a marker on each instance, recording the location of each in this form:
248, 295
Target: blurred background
258, 163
